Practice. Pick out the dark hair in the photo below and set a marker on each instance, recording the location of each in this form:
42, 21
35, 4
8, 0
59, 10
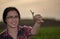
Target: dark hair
9, 9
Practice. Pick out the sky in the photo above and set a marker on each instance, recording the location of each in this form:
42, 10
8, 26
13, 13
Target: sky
47, 8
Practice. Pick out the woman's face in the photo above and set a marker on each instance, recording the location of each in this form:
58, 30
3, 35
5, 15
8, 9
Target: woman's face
12, 19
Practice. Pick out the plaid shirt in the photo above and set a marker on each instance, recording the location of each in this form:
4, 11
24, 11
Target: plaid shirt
23, 33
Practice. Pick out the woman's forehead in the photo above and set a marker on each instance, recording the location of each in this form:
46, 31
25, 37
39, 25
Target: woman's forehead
12, 13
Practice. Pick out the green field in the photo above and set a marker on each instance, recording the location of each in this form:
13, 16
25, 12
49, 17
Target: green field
47, 33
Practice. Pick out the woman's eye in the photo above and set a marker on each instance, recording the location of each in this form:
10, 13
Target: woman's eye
16, 16
10, 17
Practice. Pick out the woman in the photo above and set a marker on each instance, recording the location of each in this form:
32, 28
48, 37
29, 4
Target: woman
11, 18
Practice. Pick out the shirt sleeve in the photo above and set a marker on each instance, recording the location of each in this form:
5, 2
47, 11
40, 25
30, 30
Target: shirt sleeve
28, 30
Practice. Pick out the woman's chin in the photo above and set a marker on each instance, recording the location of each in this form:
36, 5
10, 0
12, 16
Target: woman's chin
13, 25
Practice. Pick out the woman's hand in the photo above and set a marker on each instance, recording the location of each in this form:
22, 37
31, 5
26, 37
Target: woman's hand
38, 19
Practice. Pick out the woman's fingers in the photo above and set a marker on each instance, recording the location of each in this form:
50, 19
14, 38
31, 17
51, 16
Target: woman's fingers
38, 18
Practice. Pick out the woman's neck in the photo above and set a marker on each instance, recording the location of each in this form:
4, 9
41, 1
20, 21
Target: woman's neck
13, 32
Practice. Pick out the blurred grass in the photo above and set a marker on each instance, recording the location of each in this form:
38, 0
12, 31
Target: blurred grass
48, 33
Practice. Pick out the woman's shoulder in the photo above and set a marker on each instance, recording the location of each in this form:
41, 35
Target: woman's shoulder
25, 27
25, 30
